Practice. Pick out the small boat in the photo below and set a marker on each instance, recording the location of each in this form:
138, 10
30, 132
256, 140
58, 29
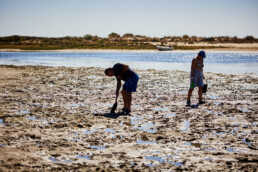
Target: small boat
164, 48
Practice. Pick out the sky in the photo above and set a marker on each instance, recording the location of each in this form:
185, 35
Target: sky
154, 18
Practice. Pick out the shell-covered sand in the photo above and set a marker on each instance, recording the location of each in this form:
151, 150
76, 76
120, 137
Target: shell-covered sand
57, 118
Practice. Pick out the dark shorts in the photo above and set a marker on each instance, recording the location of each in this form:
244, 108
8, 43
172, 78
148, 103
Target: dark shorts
198, 79
131, 84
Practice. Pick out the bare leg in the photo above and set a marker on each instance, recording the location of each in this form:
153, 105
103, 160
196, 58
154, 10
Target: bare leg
129, 100
124, 94
200, 94
190, 91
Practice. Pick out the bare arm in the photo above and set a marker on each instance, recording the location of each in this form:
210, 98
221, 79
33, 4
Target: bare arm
193, 67
118, 86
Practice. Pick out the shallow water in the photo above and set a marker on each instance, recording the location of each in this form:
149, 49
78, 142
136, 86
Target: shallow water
219, 62
84, 157
98, 147
1, 122
185, 126
148, 127
145, 142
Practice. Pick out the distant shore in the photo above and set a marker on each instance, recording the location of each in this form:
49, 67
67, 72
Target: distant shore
241, 47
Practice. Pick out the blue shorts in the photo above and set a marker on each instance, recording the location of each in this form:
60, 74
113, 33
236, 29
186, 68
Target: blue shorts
198, 79
131, 84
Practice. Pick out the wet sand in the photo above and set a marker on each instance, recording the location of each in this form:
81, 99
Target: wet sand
57, 119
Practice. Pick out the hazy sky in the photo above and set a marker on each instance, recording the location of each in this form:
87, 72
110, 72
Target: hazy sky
155, 18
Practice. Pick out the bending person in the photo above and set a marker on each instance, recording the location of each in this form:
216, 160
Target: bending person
123, 72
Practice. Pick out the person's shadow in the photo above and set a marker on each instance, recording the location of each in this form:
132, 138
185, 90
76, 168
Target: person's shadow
194, 106
112, 115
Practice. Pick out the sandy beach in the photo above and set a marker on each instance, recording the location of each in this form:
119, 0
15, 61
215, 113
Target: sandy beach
57, 119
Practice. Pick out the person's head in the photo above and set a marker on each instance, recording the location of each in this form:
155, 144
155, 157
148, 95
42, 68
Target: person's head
202, 54
109, 72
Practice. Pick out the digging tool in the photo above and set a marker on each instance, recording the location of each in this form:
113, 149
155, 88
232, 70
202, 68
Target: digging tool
114, 106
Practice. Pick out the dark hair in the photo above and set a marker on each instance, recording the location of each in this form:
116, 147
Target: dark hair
108, 69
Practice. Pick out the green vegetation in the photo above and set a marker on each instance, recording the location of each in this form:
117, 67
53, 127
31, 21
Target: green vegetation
114, 41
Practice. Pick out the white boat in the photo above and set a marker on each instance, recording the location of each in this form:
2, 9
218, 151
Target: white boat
164, 48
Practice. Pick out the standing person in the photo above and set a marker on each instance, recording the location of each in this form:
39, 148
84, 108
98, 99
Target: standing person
196, 77
123, 72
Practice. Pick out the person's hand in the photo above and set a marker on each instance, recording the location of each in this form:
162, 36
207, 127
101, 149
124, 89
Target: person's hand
192, 79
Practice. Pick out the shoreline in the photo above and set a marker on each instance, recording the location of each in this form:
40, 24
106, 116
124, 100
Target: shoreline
124, 51
233, 49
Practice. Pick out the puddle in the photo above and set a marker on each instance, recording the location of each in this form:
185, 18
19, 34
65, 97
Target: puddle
155, 158
217, 104
150, 165
244, 110
77, 104
248, 88
183, 92
232, 118
98, 147
212, 112
136, 106
246, 142
234, 130
56, 160
77, 140
145, 142
89, 132
210, 149
178, 164
132, 163
43, 120
83, 157
24, 111
109, 130
162, 161
53, 159
254, 124
187, 144
160, 109
108, 105
222, 134
231, 150
134, 120
67, 160
2, 122
170, 115
94, 112
214, 97
31, 118
148, 127
185, 126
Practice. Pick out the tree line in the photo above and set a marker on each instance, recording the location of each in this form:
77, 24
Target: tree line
113, 41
